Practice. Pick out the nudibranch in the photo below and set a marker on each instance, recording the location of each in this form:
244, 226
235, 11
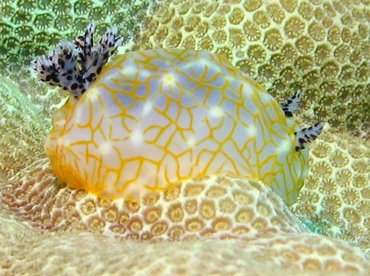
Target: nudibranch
152, 118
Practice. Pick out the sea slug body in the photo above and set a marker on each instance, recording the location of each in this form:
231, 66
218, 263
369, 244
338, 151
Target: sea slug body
153, 118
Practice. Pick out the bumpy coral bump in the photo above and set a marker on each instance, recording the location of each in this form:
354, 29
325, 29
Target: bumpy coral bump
153, 118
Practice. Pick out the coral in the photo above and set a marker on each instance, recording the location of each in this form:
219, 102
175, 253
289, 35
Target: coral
23, 129
218, 207
23, 23
81, 253
321, 47
214, 225
25, 107
336, 194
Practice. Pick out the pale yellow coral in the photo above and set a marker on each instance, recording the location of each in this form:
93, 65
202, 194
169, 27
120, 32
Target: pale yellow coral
23, 122
335, 198
214, 225
23, 128
218, 207
24, 250
285, 255
321, 47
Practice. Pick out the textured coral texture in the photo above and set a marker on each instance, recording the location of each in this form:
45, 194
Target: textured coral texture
22, 129
319, 46
29, 28
216, 224
25, 108
284, 254
219, 207
335, 200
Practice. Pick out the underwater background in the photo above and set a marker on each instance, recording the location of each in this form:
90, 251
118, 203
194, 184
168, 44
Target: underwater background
321, 47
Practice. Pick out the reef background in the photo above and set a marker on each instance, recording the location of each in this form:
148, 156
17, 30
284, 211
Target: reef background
321, 47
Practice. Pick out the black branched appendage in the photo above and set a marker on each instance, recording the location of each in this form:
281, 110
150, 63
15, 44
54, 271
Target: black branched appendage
304, 135
291, 105
307, 135
74, 66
